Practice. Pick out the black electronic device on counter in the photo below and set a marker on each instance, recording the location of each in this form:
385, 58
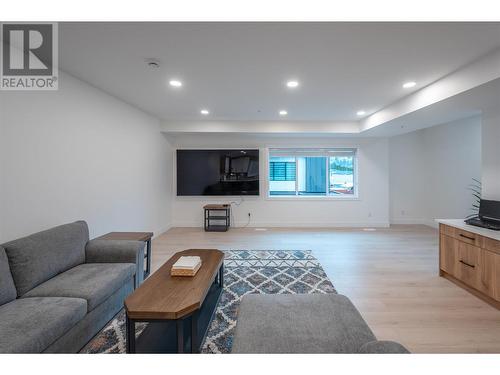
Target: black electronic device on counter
489, 215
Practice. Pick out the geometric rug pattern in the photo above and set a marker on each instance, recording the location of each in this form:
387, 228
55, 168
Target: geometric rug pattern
262, 272
245, 272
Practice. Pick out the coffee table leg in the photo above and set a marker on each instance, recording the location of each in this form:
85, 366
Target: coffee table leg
148, 258
221, 275
194, 333
180, 336
130, 333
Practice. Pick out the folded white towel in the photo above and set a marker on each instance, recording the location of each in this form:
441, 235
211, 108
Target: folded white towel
187, 262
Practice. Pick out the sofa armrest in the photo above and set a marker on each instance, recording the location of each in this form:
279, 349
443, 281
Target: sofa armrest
383, 347
117, 251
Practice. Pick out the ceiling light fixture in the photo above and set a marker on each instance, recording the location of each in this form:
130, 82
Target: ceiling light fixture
409, 85
292, 84
153, 63
205, 112
283, 112
361, 113
175, 83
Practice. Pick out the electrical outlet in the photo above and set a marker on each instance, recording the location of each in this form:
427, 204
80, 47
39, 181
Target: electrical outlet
249, 214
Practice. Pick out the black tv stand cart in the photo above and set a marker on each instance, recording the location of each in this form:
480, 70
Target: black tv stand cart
220, 221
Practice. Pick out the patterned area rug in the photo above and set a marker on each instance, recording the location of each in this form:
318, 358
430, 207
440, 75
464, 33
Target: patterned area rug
245, 272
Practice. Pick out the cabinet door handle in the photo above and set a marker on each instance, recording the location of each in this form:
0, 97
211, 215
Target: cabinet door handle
467, 264
468, 237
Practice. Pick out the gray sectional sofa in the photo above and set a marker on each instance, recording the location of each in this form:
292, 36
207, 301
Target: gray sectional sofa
305, 323
58, 289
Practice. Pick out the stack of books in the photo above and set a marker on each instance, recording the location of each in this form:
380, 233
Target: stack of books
186, 266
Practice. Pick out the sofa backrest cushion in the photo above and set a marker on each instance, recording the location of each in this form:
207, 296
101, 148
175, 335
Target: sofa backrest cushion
7, 288
43, 255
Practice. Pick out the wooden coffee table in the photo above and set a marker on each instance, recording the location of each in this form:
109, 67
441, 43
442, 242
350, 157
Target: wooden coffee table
178, 308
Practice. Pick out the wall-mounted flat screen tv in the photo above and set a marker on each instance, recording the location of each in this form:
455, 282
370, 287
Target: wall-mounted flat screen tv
217, 172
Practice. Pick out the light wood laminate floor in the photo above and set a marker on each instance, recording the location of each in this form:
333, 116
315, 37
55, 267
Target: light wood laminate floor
391, 275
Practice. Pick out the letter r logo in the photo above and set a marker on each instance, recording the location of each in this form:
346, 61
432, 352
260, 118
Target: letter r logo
27, 50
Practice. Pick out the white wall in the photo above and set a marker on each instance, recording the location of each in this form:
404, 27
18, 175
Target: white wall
407, 179
430, 171
406, 169
491, 153
371, 209
78, 153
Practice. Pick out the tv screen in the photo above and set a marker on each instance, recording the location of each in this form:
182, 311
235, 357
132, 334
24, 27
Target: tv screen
217, 172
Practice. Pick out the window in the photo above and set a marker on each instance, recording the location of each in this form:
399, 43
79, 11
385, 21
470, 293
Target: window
282, 175
282, 169
312, 172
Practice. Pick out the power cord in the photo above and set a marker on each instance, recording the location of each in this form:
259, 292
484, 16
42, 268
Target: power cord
237, 204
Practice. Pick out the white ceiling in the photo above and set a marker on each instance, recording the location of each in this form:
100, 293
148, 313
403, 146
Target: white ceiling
238, 70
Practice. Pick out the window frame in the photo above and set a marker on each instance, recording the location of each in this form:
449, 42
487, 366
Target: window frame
320, 152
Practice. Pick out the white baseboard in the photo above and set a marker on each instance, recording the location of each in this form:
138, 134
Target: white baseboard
432, 223
162, 230
187, 224
406, 221
409, 220
415, 221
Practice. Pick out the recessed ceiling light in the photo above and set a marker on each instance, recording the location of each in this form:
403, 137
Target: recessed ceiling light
409, 85
175, 83
283, 112
205, 112
153, 63
360, 113
292, 84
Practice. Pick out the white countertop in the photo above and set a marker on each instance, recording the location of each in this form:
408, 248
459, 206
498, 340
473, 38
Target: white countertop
459, 223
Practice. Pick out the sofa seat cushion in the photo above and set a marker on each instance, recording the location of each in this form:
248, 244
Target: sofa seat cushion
299, 323
94, 282
383, 347
41, 256
8, 290
29, 325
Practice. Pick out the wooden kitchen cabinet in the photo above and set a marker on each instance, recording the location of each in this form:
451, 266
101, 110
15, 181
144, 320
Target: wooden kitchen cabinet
472, 261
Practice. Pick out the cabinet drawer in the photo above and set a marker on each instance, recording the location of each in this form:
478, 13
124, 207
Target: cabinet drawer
462, 235
460, 259
468, 237
468, 264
